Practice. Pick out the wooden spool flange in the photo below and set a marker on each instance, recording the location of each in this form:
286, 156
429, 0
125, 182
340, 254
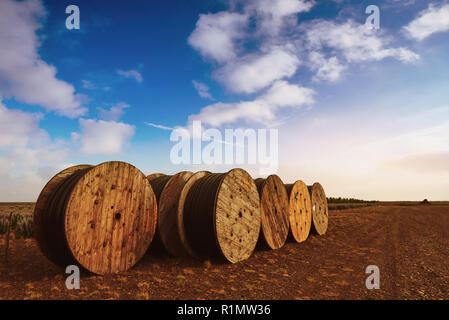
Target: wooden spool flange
300, 210
154, 176
158, 182
222, 215
167, 223
102, 218
186, 247
320, 211
42, 227
273, 211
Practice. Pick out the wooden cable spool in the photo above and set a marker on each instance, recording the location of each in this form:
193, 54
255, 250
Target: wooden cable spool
274, 212
167, 224
154, 176
186, 247
101, 218
300, 210
320, 211
158, 182
41, 218
222, 215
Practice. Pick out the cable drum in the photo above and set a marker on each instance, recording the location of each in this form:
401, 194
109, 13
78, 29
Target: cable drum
320, 210
273, 211
101, 218
300, 210
222, 216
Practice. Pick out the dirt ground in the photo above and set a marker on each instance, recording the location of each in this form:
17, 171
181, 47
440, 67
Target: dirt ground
410, 245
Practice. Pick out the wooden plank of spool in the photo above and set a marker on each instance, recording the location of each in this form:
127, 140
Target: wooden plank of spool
154, 176
110, 218
300, 210
158, 182
168, 213
41, 224
186, 247
222, 215
274, 211
320, 211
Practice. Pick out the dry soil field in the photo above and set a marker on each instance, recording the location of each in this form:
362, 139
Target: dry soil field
410, 245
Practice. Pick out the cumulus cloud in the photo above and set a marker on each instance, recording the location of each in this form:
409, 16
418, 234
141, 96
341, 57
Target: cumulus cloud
261, 110
258, 42
432, 20
114, 113
273, 15
326, 69
257, 71
23, 74
354, 41
203, 90
215, 34
131, 74
18, 128
28, 156
99, 137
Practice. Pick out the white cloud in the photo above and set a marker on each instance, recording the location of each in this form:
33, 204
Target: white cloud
261, 110
131, 74
28, 156
215, 34
354, 41
273, 15
100, 137
203, 90
22, 72
327, 69
257, 71
114, 113
18, 128
432, 20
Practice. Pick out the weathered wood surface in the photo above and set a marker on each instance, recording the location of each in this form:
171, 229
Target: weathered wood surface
186, 247
110, 218
300, 210
101, 218
168, 213
43, 221
320, 210
222, 215
154, 176
274, 211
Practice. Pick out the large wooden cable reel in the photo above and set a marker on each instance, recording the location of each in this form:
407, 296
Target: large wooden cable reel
101, 218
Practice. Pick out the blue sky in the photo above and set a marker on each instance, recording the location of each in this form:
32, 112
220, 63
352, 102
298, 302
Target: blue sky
365, 112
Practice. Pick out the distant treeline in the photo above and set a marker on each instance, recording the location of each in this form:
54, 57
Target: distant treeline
348, 200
